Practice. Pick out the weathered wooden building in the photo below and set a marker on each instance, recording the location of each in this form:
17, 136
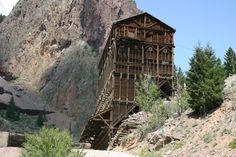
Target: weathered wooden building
141, 44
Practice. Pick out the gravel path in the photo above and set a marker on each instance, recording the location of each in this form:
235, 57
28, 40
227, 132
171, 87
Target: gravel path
99, 153
15, 152
10, 152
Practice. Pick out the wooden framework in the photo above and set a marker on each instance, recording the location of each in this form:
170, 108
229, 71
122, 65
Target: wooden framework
141, 44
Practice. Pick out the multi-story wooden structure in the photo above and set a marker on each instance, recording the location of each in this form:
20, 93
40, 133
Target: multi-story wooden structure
141, 44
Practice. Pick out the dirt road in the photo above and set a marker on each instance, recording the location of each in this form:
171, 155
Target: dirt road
15, 152
99, 153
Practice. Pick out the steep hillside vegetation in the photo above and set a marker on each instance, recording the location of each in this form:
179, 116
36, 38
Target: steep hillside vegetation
189, 135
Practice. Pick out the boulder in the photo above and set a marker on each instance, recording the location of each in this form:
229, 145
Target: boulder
16, 139
4, 139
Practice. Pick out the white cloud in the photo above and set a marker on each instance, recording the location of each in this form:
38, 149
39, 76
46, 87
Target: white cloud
6, 6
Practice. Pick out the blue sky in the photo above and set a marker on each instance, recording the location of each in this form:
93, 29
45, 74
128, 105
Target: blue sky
203, 21
6, 6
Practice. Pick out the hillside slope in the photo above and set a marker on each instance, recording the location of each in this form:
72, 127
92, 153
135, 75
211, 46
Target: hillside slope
188, 135
53, 48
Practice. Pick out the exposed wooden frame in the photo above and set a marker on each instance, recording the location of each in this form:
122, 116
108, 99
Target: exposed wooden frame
143, 39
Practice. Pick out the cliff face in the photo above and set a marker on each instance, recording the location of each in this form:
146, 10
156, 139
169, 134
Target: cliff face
53, 46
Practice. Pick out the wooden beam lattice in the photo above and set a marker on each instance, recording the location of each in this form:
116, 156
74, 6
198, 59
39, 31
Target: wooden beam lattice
137, 45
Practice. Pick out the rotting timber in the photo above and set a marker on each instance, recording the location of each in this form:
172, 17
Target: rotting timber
141, 44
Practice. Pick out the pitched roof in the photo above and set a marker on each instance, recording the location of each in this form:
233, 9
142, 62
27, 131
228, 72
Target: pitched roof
145, 13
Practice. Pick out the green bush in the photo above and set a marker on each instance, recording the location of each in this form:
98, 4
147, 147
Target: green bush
181, 102
147, 93
179, 145
149, 100
208, 137
147, 153
77, 153
226, 132
232, 144
49, 142
159, 114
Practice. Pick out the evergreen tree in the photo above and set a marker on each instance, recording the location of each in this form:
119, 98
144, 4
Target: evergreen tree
2, 17
205, 80
179, 78
12, 112
40, 120
230, 62
181, 94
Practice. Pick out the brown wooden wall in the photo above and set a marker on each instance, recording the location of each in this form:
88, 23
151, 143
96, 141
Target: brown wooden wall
137, 45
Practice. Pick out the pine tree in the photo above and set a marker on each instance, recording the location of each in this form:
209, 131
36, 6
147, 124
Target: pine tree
181, 94
179, 78
12, 112
230, 62
2, 17
205, 80
40, 120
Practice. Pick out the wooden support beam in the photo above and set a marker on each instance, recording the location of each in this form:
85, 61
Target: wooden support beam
145, 21
157, 61
116, 31
97, 119
127, 77
153, 24
113, 87
104, 121
165, 41
173, 64
120, 86
142, 58
147, 28
101, 113
125, 33
137, 22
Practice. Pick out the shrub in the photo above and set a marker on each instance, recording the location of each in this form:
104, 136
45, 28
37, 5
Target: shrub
77, 153
49, 142
147, 93
148, 98
226, 132
232, 144
181, 101
179, 145
208, 137
147, 153
124, 141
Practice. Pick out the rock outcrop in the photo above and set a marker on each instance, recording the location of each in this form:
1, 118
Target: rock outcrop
53, 47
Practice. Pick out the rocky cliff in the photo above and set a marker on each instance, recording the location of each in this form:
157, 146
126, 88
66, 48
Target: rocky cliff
53, 47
